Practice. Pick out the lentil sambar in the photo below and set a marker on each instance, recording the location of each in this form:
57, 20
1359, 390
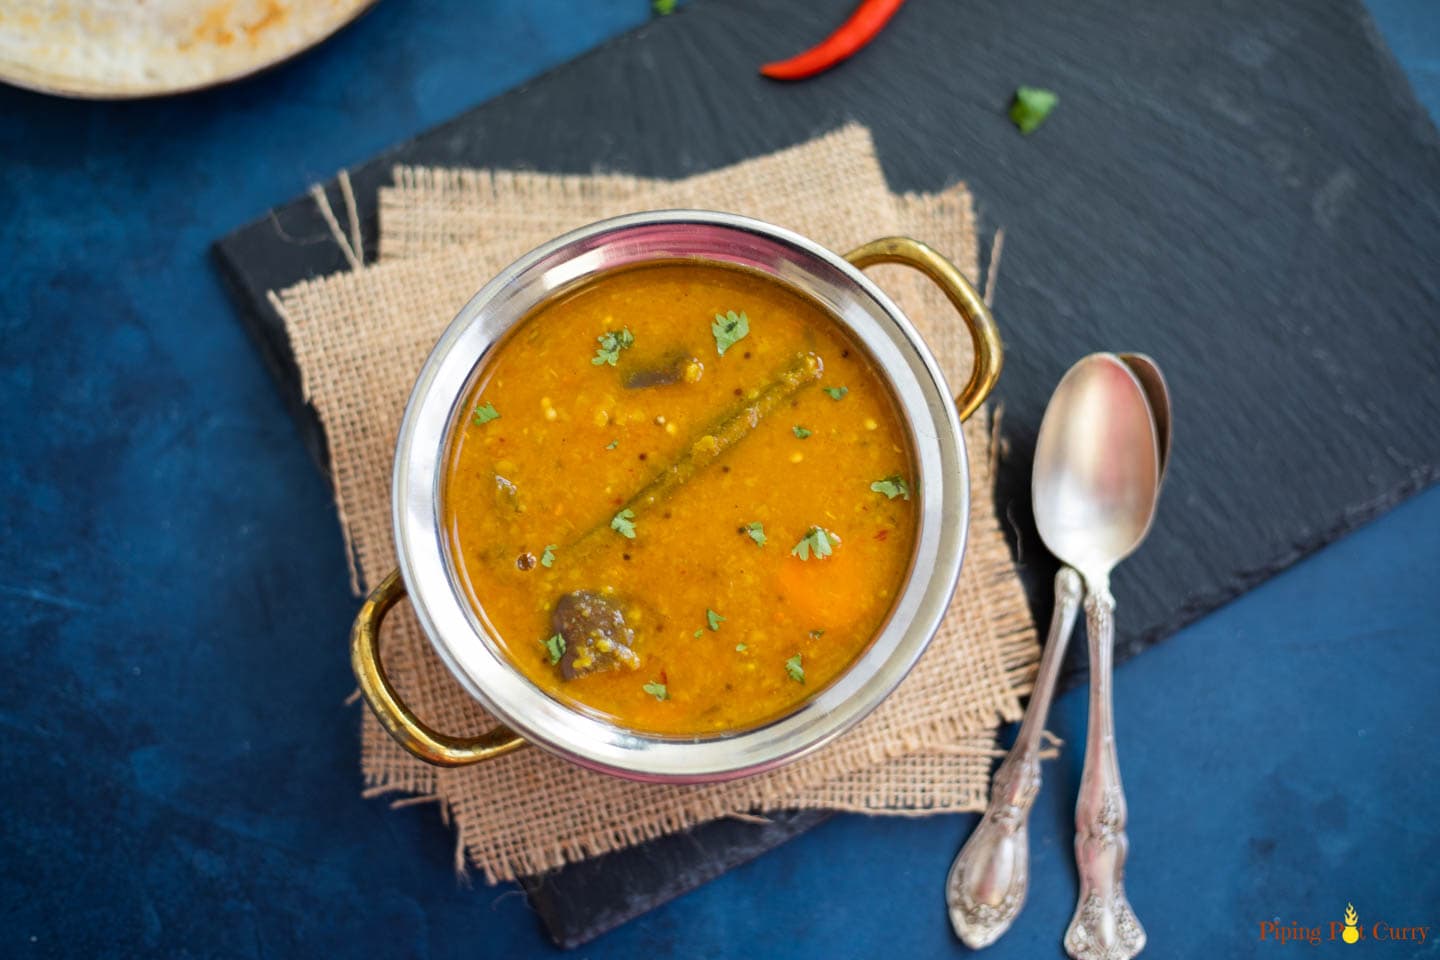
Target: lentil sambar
679, 496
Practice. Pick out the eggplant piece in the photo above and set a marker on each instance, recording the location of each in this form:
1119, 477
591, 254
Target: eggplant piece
596, 635
674, 369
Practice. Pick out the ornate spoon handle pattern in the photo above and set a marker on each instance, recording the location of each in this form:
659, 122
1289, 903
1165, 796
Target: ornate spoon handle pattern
989, 878
1103, 927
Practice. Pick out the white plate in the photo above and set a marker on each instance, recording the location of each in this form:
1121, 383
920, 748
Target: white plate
113, 49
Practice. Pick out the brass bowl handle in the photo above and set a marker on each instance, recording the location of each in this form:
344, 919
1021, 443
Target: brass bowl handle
409, 730
989, 354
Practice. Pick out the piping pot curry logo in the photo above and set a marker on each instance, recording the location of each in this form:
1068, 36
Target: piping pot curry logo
1352, 924
1348, 930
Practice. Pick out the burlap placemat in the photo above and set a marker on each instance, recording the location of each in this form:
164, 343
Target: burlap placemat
359, 339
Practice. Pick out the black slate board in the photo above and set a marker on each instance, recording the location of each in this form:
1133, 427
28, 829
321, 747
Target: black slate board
1245, 189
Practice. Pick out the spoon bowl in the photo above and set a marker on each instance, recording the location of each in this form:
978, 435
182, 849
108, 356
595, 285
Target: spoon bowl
1097, 467
1152, 381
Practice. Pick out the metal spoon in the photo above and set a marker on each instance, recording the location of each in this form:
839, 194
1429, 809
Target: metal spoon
1097, 478
990, 877
991, 874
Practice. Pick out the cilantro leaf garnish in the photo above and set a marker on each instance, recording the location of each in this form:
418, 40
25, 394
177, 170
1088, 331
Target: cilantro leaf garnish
837, 392
623, 523
713, 619
656, 690
816, 634
699, 633
740, 648
800, 431
1030, 108
613, 444
555, 646
611, 343
729, 329
756, 531
817, 540
795, 669
484, 414
547, 557
892, 486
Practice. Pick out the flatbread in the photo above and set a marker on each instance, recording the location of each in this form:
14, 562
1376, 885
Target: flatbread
136, 48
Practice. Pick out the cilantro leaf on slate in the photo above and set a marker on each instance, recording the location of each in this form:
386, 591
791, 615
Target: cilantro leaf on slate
1030, 108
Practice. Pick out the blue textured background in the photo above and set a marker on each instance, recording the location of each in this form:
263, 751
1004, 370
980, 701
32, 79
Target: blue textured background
179, 775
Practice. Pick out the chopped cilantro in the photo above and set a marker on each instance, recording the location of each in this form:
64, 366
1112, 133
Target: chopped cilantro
816, 634
555, 646
729, 329
623, 523
837, 393
484, 414
892, 486
613, 444
699, 633
656, 690
1030, 107
756, 531
713, 619
611, 343
740, 648
817, 540
794, 668
800, 431
547, 558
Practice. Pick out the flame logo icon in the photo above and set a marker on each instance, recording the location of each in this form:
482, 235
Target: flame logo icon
1352, 919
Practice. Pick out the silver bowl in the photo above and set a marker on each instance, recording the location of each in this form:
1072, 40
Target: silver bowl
457, 632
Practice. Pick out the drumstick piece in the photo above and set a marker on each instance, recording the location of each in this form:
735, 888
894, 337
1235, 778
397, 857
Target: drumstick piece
712, 444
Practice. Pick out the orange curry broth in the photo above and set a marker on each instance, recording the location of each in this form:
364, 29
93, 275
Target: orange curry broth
558, 415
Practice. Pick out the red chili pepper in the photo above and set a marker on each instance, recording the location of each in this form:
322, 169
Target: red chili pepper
867, 20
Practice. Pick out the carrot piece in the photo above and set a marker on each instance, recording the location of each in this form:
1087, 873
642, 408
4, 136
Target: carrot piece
826, 592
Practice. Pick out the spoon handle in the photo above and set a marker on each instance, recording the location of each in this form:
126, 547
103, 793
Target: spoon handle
1103, 927
989, 878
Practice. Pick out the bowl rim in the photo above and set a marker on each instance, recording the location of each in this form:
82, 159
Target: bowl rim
455, 629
